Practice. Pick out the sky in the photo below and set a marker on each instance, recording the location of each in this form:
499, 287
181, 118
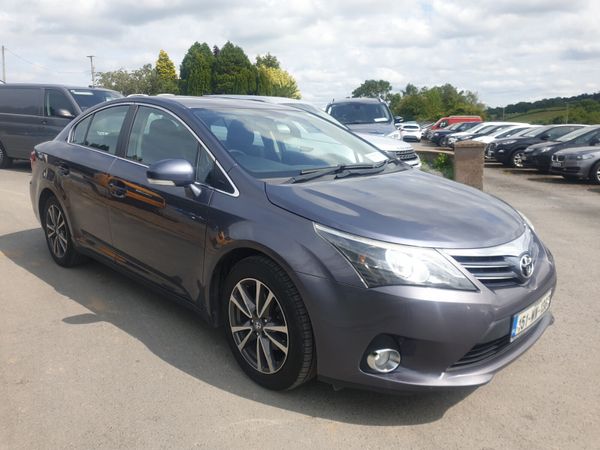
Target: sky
505, 50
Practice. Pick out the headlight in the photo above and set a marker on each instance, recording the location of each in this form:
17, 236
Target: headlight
585, 156
382, 264
397, 134
544, 150
512, 141
452, 139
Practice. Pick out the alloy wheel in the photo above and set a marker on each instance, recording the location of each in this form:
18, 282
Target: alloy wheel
56, 231
517, 159
258, 326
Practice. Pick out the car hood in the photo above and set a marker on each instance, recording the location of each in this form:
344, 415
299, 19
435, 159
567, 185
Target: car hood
408, 207
535, 148
381, 129
578, 151
385, 143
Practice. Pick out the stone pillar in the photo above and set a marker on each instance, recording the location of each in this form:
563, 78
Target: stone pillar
469, 163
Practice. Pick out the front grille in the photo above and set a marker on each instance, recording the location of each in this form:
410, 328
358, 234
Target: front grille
493, 271
482, 352
404, 155
558, 157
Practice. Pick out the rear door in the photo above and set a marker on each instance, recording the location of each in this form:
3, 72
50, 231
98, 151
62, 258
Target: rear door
20, 119
159, 231
82, 170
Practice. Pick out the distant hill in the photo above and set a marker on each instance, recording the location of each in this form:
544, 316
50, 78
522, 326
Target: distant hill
584, 108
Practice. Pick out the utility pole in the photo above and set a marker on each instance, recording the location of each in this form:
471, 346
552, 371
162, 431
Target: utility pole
3, 66
92, 69
567, 118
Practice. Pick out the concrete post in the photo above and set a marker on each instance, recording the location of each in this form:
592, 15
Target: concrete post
469, 163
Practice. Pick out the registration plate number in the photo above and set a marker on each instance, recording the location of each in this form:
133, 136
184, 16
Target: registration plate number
526, 318
557, 163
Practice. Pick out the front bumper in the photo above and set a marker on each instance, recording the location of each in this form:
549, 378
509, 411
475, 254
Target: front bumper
573, 168
434, 330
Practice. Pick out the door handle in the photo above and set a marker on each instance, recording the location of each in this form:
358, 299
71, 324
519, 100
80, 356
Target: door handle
117, 189
63, 170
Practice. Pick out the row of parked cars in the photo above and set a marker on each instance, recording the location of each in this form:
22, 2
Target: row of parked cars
570, 150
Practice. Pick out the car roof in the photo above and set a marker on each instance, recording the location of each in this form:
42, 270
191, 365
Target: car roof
191, 102
47, 85
356, 100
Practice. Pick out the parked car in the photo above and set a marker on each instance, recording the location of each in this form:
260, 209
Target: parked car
445, 121
394, 147
503, 132
365, 115
540, 155
577, 163
438, 135
411, 131
450, 138
34, 113
510, 151
317, 253
487, 129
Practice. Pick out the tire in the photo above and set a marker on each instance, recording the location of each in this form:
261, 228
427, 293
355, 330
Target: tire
595, 173
5, 161
58, 236
516, 160
253, 331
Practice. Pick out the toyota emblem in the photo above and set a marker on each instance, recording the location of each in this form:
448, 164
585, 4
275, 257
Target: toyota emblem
526, 265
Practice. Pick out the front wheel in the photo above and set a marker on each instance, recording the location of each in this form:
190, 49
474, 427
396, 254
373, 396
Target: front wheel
516, 159
595, 173
267, 325
5, 161
58, 235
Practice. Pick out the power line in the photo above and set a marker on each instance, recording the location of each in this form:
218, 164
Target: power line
41, 65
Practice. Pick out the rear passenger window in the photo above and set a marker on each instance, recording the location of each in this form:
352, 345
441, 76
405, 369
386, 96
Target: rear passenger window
103, 133
80, 131
17, 100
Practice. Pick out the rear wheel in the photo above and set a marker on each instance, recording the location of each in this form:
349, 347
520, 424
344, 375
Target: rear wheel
267, 325
595, 173
58, 235
5, 161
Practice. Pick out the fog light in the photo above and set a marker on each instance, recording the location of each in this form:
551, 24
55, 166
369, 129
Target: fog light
384, 360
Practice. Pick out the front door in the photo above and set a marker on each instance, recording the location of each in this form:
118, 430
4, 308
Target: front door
159, 231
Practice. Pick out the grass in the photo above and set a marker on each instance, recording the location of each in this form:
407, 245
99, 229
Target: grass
543, 116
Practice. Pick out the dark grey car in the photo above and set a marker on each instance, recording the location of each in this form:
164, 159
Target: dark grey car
317, 253
34, 113
577, 163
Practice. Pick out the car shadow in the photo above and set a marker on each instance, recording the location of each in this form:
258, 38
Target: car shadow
180, 338
19, 166
556, 179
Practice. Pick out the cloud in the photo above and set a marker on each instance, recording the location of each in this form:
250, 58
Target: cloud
506, 50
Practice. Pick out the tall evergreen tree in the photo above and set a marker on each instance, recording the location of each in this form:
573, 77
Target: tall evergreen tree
196, 70
234, 73
167, 76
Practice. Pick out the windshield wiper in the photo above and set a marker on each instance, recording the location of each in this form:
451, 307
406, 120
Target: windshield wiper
340, 171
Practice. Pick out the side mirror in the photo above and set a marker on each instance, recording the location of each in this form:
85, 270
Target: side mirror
594, 141
171, 172
64, 113
544, 137
398, 119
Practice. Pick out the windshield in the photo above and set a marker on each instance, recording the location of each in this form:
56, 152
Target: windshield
537, 131
271, 143
86, 98
506, 133
454, 126
358, 113
574, 134
313, 110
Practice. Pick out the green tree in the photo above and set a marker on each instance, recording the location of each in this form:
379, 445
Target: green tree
167, 75
268, 61
233, 72
373, 89
196, 70
144, 80
276, 82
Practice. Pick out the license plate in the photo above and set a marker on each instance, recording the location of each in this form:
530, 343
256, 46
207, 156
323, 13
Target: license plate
557, 163
526, 318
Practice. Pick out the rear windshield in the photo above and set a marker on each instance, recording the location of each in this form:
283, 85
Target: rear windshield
86, 98
360, 113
